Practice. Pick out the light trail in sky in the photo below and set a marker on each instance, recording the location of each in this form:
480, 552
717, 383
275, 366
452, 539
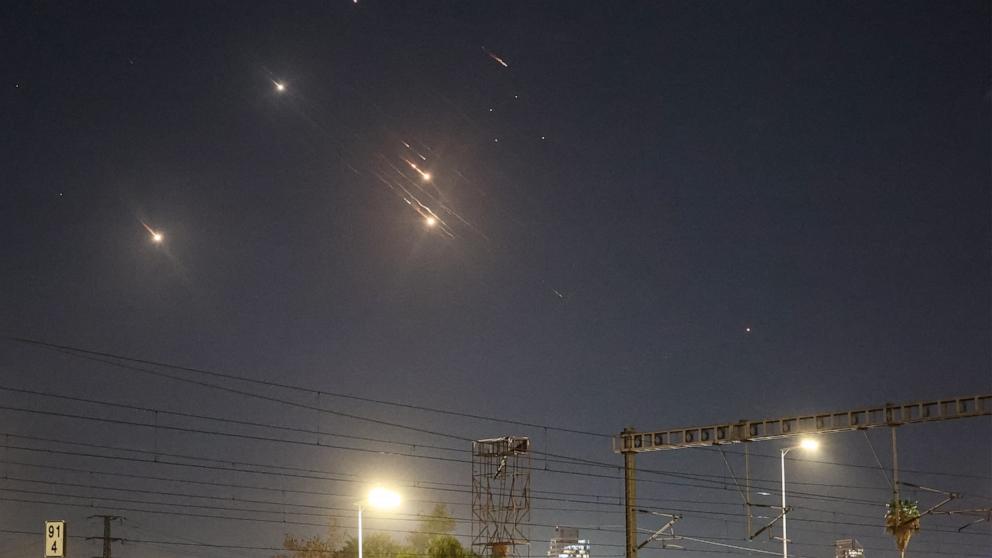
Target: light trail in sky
498, 60
156, 236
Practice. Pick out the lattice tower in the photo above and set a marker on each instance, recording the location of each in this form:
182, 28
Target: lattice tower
501, 497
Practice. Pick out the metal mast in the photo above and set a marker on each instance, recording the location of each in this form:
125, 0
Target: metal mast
107, 539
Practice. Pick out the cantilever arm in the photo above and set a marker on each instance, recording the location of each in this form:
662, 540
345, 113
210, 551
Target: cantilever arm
770, 523
654, 536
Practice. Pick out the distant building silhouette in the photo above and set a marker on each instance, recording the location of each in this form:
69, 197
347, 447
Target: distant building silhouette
848, 548
567, 544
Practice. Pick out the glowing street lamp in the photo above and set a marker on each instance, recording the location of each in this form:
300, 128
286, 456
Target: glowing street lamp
381, 498
378, 498
808, 444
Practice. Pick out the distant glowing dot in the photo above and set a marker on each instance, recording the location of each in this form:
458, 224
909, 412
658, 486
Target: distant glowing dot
747, 330
542, 137
157, 238
431, 221
516, 96
491, 109
426, 176
495, 140
279, 86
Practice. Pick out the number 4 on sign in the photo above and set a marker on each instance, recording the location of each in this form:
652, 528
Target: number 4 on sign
55, 539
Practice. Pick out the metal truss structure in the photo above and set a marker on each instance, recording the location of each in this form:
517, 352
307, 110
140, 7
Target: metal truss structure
500, 496
819, 423
631, 442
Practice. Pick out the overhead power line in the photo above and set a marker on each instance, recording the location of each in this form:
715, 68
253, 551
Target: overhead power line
319, 433
696, 478
715, 483
103, 356
285, 520
287, 504
119, 360
316, 474
282, 385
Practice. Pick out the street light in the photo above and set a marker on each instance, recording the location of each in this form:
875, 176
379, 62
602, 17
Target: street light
379, 498
808, 444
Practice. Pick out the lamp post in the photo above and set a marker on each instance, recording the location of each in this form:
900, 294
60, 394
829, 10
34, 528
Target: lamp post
379, 498
808, 444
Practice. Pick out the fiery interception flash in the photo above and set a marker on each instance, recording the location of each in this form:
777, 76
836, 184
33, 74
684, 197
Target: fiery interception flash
498, 60
156, 236
416, 198
424, 175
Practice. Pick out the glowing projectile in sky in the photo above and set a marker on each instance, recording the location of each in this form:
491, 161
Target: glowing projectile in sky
157, 237
425, 176
499, 60
424, 199
280, 87
408, 146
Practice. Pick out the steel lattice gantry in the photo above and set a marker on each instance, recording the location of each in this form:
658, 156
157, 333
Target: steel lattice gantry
631, 442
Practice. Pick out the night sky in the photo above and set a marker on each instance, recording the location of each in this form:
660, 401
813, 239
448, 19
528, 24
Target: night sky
572, 215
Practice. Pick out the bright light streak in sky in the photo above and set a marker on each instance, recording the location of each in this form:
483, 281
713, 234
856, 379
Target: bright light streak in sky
280, 87
410, 147
494, 57
156, 236
425, 176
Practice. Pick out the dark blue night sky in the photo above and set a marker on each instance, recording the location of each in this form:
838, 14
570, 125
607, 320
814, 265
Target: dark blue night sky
655, 214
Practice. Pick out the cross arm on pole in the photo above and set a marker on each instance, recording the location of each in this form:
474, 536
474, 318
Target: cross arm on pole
770, 523
674, 518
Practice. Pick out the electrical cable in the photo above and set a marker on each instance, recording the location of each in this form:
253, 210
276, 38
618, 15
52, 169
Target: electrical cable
292, 387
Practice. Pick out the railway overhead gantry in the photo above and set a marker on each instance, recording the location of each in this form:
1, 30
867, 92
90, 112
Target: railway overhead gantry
630, 442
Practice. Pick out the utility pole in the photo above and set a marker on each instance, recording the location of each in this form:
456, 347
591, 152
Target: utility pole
107, 539
895, 469
629, 498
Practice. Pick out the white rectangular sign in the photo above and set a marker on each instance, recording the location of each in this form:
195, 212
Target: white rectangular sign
54, 539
